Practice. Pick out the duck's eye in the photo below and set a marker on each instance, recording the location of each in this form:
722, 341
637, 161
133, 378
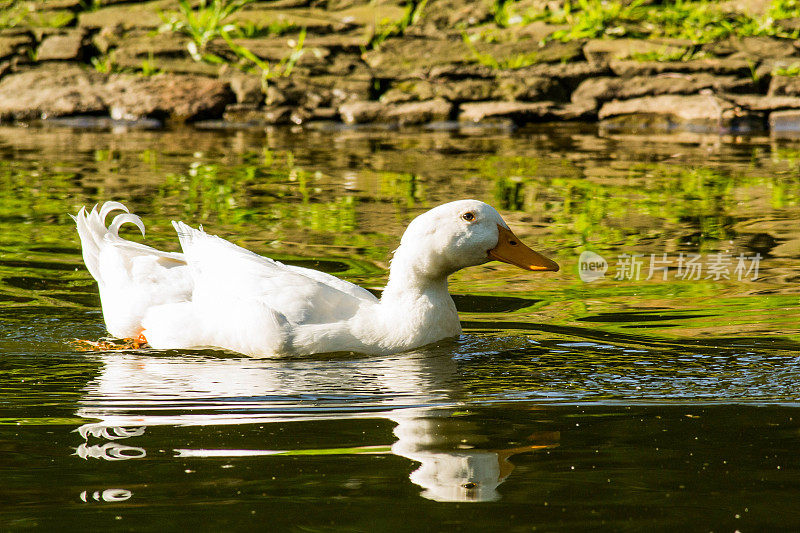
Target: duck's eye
469, 216
469, 485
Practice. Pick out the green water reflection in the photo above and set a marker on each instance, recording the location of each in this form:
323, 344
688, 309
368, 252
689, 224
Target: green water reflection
620, 403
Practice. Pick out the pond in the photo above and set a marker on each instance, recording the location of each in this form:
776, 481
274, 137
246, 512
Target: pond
653, 382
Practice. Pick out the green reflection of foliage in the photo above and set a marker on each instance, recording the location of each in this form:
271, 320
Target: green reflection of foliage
697, 204
403, 188
338, 215
31, 194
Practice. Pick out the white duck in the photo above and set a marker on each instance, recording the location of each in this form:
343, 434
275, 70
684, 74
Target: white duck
217, 294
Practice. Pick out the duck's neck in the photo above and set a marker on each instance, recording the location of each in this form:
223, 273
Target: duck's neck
416, 307
409, 279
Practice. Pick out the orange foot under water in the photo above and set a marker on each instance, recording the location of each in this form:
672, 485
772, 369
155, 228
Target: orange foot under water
111, 344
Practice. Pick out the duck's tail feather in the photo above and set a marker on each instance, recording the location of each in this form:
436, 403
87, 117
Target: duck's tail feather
132, 277
92, 231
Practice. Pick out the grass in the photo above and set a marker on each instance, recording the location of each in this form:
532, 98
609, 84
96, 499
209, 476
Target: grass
688, 53
386, 29
14, 13
700, 21
792, 70
511, 62
203, 24
105, 64
208, 21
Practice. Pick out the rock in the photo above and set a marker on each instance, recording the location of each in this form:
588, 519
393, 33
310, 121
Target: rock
518, 112
569, 75
604, 89
768, 66
244, 114
409, 91
666, 111
136, 46
57, 4
628, 69
410, 58
324, 113
164, 51
529, 88
605, 50
48, 20
419, 112
537, 30
446, 14
757, 102
367, 14
346, 65
317, 91
790, 24
315, 21
276, 49
755, 8
274, 96
509, 87
336, 43
61, 89
460, 71
406, 92
15, 44
247, 88
136, 15
363, 112
467, 90
784, 86
687, 108
179, 97
278, 115
756, 48
526, 52
360, 112
576, 111
66, 46
785, 123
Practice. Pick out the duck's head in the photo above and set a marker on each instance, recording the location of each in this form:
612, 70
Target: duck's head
466, 233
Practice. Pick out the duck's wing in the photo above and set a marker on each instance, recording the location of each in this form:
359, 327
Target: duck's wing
132, 277
225, 272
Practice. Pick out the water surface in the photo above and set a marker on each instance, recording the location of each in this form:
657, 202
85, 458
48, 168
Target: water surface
666, 403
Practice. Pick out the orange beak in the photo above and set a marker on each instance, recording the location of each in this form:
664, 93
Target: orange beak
510, 250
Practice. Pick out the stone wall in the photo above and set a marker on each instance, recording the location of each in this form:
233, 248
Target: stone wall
113, 61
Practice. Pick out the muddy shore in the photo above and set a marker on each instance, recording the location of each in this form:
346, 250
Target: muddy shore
116, 60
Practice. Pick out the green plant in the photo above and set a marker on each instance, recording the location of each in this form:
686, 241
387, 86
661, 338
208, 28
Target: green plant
149, 67
89, 5
688, 53
265, 70
15, 13
792, 70
207, 22
203, 24
251, 30
700, 21
411, 15
513, 61
104, 64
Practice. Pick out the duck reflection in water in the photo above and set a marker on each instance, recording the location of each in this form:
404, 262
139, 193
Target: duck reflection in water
457, 459
454, 467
